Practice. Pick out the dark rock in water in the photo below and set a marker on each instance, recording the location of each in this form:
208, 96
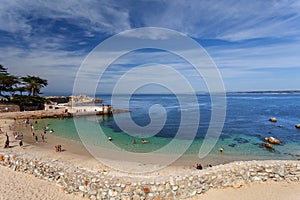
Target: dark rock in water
222, 136
241, 140
257, 144
268, 147
232, 145
258, 136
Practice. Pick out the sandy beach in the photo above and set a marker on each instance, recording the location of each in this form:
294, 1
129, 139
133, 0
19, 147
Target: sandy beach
75, 153
17, 185
262, 191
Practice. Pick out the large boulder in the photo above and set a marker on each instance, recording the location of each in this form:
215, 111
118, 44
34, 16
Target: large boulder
272, 140
273, 119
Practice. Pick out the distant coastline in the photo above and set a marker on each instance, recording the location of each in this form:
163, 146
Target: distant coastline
198, 93
268, 92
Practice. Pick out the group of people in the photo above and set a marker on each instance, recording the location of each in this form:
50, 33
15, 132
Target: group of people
200, 167
58, 148
17, 136
143, 141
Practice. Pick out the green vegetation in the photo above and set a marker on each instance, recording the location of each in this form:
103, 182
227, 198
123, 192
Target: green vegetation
10, 85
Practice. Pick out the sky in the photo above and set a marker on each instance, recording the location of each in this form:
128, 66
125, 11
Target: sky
254, 44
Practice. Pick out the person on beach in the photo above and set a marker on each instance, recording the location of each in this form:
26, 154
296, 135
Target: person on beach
15, 135
222, 150
134, 141
43, 137
36, 139
6, 145
33, 134
21, 143
199, 166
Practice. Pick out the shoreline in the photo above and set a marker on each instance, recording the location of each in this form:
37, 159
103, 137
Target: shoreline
75, 153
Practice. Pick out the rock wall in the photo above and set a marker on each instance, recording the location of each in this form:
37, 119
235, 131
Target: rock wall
100, 186
10, 108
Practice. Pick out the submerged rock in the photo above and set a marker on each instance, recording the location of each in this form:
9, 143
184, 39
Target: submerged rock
268, 146
241, 140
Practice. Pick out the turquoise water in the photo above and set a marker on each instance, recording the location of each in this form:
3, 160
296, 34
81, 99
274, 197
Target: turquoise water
245, 126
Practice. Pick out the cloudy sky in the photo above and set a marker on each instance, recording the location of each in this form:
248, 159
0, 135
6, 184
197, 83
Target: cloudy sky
255, 44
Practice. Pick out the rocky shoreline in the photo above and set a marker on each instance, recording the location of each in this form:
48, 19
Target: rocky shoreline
99, 185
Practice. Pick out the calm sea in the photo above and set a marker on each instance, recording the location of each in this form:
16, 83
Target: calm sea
246, 124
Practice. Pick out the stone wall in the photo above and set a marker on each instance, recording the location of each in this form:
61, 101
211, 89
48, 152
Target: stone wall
10, 108
100, 186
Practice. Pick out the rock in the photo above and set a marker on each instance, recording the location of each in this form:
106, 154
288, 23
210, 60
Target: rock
273, 119
92, 192
153, 188
281, 171
268, 146
150, 195
93, 197
237, 184
272, 140
193, 193
256, 179
146, 190
136, 197
112, 193
127, 189
168, 186
172, 181
175, 188
81, 188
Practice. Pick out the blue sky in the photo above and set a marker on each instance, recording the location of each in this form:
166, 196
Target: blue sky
255, 44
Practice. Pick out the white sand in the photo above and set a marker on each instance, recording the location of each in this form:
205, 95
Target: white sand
17, 185
262, 191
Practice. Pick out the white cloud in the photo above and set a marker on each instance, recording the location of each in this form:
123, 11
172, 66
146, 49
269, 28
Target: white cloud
280, 56
229, 20
15, 15
42, 54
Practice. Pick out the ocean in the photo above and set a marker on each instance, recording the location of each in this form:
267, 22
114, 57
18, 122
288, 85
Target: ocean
159, 118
